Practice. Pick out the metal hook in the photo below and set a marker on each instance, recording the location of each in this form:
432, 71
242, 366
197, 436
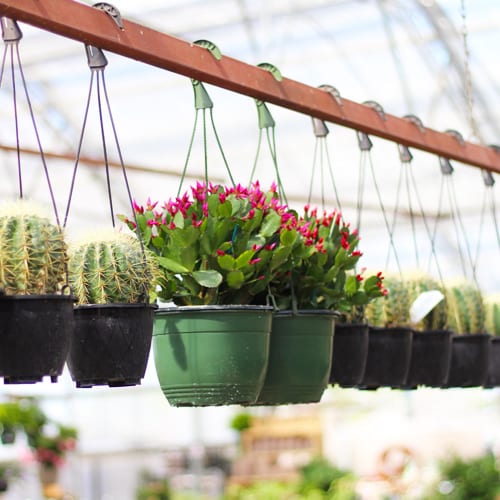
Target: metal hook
333, 92
446, 166
95, 57
488, 179
457, 135
266, 120
376, 107
404, 154
364, 142
112, 12
211, 47
201, 98
416, 121
272, 69
10, 30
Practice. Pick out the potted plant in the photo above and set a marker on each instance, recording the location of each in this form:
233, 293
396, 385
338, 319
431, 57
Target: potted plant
492, 323
319, 284
431, 344
218, 248
390, 337
36, 317
470, 342
111, 276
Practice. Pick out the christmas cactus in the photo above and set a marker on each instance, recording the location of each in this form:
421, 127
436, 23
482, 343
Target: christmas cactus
218, 245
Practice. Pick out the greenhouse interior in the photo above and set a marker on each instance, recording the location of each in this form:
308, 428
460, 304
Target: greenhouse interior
258, 245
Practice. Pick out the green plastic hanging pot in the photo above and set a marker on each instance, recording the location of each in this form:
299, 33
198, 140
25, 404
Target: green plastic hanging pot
300, 357
211, 355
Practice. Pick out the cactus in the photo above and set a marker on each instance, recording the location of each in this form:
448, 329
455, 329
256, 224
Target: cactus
393, 309
492, 309
466, 312
33, 252
437, 318
112, 269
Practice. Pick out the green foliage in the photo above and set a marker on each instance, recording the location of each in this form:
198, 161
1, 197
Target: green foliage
492, 312
323, 275
33, 253
218, 245
153, 487
466, 312
475, 479
110, 270
49, 440
241, 421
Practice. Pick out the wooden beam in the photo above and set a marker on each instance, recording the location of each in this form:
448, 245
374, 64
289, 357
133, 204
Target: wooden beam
92, 26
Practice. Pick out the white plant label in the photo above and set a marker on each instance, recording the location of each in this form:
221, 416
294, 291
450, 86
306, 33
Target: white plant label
424, 304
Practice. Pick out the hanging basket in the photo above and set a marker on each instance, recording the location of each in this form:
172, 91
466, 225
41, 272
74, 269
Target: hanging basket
211, 355
111, 344
388, 361
35, 335
350, 351
299, 358
469, 360
494, 365
430, 358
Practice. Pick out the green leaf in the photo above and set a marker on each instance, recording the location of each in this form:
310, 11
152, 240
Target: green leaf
226, 262
271, 224
179, 220
351, 285
235, 279
288, 237
210, 278
225, 209
172, 265
244, 259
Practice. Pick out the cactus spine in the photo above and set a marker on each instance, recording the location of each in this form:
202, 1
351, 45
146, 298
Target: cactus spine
437, 318
466, 312
33, 253
492, 309
393, 309
111, 270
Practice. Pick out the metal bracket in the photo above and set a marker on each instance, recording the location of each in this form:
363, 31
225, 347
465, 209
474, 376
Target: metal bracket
319, 127
10, 30
364, 142
404, 154
333, 92
95, 57
112, 12
416, 121
376, 107
266, 120
457, 135
446, 166
488, 179
201, 98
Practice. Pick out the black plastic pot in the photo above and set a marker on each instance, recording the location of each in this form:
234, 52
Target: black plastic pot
388, 360
35, 335
430, 358
350, 350
469, 360
111, 344
493, 379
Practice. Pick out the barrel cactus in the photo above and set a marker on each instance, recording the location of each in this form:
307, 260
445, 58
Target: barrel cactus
393, 309
33, 252
437, 318
492, 309
466, 312
111, 269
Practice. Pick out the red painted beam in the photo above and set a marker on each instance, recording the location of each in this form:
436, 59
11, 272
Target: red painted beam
92, 26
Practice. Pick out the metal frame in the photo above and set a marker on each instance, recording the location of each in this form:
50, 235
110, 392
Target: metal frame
93, 26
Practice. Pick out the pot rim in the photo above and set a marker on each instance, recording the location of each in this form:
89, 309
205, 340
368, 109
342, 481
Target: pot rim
120, 305
215, 308
45, 296
305, 312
